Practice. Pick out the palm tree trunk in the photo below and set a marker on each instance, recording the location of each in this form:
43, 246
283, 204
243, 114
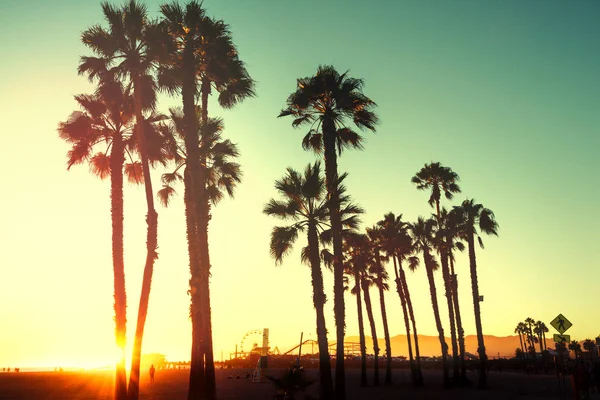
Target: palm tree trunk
369, 308
203, 215
521, 342
151, 246
459, 327
448, 289
197, 381
331, 178
438, 321
116, 209
326, 383
475, 290
419, 370
386, 333
402, 296
361, 331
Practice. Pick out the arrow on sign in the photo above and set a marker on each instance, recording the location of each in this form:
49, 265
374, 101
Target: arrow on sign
562, 338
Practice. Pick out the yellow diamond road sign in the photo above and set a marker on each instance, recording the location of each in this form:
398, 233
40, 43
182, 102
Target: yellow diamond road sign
561, 323
562, 338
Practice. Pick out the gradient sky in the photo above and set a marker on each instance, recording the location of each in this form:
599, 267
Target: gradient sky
506, 93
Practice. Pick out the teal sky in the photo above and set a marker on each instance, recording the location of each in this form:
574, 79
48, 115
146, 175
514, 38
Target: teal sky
506, 93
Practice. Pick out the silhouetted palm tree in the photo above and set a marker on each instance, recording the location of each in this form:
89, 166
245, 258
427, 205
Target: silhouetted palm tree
326, 100
398, 245
356, 251
590, 346
477, 218
130, 49
519, 329
452, 230
575, 347
422, 233
305, 203
205, 57
107, 121
368, 280
380, 278
529, 322
440, 179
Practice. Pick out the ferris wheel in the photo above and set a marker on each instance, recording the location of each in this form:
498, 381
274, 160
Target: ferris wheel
254, 337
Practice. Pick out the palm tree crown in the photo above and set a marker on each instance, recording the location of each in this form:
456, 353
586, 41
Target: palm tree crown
223, 174
439, 179
329, 98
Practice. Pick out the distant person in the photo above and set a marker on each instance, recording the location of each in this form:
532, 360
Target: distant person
152, 371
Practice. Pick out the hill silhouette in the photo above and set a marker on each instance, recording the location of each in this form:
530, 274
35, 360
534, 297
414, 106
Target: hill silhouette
503, 346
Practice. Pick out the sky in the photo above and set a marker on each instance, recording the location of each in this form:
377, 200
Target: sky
506, 93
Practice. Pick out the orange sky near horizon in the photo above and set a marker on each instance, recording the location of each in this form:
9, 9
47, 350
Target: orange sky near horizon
508, 98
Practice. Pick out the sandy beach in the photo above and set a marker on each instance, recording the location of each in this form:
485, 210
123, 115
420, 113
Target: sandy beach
172, 384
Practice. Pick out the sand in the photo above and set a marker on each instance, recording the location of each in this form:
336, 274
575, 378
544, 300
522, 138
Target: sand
172, 384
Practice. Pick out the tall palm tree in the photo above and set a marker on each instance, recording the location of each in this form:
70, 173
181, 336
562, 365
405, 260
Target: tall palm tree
452, 229
440, 179
529, 323
367, 280
223, 175
590, 346
305, 203
204, 56
106, 120
575, 347
477, 218
129, 50
519, 331
539, 331
356, 249
380, 278
398, 245
422, 233
325, 101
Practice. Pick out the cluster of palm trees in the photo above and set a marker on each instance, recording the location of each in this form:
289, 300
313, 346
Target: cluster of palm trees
119, 132
589, 345
319, 207
530, 332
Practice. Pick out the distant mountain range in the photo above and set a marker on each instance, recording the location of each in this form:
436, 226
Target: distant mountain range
503, 346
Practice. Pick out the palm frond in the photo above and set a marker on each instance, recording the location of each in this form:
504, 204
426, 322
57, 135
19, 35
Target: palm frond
282, 240
165, 194
134, 173
100, 165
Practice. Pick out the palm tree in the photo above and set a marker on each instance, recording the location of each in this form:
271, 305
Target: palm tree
397, 244
205, 56
325, 101
356, 249
539, 331
107, 119
452, 229
477, 218
438, 179
305, 203
367, 280
440, 241
380, 278
575, 347
529, 323
422, 234
590, 346
129, 50
519, 331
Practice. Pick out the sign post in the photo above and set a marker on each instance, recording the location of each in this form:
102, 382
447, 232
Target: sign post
561, 324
